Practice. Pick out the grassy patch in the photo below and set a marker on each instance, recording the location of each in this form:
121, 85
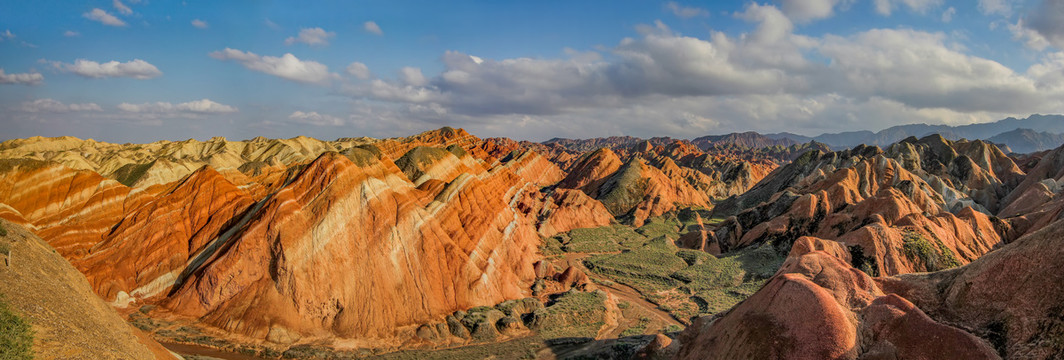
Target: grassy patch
593, 240
16, 336
573, 314
933, 257
129, 174
637, 329
3, 231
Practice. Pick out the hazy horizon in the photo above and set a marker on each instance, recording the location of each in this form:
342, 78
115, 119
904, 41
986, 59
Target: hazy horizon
142, 71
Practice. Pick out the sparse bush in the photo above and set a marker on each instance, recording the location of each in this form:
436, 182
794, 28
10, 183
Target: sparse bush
16, 336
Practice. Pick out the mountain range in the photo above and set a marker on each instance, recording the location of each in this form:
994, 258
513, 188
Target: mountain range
444, 244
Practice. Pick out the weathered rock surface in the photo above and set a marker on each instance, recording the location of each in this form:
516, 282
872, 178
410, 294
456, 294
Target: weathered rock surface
68, 320
819, 307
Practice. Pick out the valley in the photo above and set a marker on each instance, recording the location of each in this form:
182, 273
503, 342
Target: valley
446, 245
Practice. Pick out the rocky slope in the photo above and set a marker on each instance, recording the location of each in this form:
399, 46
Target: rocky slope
446, 225
68, 320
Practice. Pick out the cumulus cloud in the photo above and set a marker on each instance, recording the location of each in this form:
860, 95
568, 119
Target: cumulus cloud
1000, 7
947, 15
808, 10
412, 76
886, 7
191, 108
200, 24
54, 106
372, 28
101, 16
287, 66
1047, 20
359, 70
314, 118
768, 79
137, 69
71, 33
122, 8
313, 36
685, 12
21, 79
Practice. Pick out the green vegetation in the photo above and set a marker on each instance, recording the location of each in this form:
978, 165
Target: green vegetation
418, 159
16, 336
3, 230
573, 314
624, 190
934, 257
638, 329
129, 174
682, 282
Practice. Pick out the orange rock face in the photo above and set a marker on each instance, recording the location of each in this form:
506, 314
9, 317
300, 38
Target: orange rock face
347, 246
145, 253
456, 249
819, 307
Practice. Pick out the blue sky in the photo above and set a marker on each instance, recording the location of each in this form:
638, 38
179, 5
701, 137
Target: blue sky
140, 71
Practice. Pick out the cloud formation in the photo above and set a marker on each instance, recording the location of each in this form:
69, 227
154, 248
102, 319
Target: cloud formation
372, 28
54, 106
101, 16
314, 118
808, 10
886, 7
313, 36
1047, 20
137, 69
359, 70
71, 33
122, 8
287, 66
770, 79
21, 79
200, 24
685, 12
197, 107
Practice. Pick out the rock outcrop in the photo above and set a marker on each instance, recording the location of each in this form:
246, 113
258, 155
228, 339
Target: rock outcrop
67, 319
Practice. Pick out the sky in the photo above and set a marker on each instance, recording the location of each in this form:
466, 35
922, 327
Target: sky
147, 70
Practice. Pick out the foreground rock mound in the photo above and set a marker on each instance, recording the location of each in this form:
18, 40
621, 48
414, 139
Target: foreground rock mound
68, 320
819, 307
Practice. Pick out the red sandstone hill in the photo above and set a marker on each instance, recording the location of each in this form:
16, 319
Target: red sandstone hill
448, 228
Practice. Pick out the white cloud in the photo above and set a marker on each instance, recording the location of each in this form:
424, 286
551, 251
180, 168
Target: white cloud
191, 108
313, 118
54, 106
359, 70
769, 79
1047, 20
122, 8
7, 35
103, 17
1030, 37
1000, 7
947, 15
886, 7
21, 79
71, 33
412, 76
685, 12
287, 66
313, 36
372, 28
271, 24
137, 69
200, 24
808, 10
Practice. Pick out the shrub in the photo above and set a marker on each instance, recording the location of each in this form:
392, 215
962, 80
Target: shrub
16, 336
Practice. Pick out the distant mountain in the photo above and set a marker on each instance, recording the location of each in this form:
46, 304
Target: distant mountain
787, 135
749, 140
1046, 126
612, 142
1028, 141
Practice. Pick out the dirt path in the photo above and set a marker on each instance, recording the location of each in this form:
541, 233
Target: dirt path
622, 293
